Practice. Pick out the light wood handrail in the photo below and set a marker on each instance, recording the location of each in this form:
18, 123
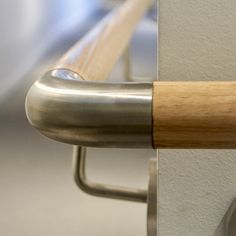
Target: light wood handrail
93, 57
194, 114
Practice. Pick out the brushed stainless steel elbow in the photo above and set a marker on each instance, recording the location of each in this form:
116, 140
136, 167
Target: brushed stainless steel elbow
68, 109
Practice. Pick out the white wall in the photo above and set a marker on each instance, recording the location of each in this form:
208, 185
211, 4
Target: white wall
197, 42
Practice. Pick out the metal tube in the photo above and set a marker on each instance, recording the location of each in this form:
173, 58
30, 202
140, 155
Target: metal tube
102, 190
64, 107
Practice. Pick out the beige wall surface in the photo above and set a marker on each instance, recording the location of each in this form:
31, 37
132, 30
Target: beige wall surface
197, 42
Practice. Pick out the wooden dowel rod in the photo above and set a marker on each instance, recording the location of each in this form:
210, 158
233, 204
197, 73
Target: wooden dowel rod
95, 55
194, 115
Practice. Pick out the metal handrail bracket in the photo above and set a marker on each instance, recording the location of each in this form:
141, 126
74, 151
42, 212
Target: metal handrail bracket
102, 190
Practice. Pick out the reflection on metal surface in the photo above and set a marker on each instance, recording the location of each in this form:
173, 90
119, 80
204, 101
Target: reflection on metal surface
152, 198
96, 189
65, 108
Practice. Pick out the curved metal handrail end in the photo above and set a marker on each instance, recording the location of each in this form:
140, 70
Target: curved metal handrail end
101, 190
68, 109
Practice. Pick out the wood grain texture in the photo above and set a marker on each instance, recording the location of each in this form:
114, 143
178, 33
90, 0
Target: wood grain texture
194, 115
95, 55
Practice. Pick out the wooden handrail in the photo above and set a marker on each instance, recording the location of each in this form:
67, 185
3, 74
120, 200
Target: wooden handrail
93, 57
194, 114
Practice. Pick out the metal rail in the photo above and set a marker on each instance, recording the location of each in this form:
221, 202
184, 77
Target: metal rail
68, 109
